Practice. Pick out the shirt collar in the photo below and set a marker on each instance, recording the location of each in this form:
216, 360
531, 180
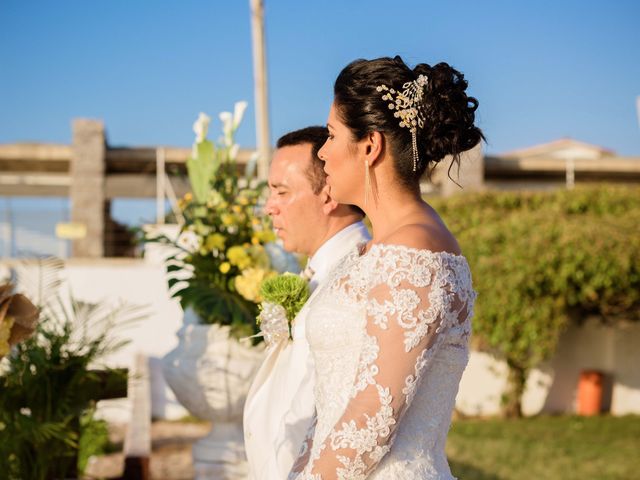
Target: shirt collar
334, 249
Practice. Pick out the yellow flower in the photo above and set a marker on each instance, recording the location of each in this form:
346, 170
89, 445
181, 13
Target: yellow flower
225, 267
243, 201
237, 209
227, 219
216, 241
239, 257
248, 284
5, 333
188, 197
255, 240
265, 236
259, 256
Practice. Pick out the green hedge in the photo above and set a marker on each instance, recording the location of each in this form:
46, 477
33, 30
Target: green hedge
540, 260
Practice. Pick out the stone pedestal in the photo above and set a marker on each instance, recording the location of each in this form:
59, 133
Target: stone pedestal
210, 374
221, 455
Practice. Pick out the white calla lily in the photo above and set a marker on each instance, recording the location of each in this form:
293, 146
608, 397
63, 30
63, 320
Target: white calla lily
233, 151
201, 127
238, 112
227, 127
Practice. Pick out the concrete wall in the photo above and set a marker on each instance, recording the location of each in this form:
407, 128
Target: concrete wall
552, 387
141, 283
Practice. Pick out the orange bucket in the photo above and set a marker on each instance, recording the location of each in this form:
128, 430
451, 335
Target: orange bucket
590, 392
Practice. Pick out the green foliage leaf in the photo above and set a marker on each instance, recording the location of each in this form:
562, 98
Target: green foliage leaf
202, 169
541, 260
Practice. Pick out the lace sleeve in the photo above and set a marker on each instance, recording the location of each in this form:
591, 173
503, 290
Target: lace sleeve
413, 297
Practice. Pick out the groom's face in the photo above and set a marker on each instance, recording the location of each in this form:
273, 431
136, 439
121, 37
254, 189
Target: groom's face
296, 212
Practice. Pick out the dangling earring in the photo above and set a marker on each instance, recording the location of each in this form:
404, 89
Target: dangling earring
367, 182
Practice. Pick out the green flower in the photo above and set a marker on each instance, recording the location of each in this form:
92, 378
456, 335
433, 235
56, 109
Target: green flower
288, 290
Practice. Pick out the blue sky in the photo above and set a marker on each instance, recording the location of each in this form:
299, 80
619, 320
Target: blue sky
540, 69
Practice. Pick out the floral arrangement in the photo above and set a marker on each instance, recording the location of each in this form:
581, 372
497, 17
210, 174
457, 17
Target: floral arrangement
283, 297
18, 318
225, 249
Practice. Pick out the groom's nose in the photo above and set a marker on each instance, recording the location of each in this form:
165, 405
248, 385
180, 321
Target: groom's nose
270, 207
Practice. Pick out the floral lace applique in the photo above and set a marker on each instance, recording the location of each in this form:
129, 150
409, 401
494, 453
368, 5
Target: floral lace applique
414, 301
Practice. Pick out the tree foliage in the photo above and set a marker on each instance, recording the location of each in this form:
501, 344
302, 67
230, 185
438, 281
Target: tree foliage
541, 260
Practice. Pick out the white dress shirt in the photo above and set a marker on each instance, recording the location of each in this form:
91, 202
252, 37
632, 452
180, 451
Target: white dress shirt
280, 402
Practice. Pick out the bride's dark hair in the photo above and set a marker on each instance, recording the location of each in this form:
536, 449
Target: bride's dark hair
449, 113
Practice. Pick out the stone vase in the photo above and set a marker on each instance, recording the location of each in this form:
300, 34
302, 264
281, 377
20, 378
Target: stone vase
210, 374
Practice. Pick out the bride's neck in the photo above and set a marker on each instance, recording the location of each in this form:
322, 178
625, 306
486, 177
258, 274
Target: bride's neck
391, 208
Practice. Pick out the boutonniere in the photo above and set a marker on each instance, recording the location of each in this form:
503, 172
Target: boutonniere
283, 297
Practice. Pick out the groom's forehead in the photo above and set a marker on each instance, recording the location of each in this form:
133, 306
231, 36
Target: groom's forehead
289, 166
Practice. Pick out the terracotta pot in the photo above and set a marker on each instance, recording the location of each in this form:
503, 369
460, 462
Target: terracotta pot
590, 392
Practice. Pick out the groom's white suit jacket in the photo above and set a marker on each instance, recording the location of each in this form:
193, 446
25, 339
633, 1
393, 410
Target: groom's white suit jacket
280, 402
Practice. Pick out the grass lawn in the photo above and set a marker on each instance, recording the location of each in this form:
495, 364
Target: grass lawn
546, 448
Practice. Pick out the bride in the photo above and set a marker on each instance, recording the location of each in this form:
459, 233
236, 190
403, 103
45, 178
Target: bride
389, 329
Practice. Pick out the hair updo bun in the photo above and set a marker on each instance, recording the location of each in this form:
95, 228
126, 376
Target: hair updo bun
447, 112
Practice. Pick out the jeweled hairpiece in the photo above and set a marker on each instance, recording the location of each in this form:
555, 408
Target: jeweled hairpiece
408, 108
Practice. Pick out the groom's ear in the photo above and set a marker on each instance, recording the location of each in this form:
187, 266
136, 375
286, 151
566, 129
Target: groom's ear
373, 147
328, 203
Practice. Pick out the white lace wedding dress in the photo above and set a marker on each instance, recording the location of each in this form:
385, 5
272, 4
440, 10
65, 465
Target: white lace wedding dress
389, 333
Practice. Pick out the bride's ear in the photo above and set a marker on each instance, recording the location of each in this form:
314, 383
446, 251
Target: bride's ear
328, 203
373, 147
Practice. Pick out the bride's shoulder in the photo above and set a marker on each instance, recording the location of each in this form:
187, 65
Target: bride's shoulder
423, 237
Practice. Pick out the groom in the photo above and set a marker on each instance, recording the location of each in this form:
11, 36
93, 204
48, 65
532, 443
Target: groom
280, 402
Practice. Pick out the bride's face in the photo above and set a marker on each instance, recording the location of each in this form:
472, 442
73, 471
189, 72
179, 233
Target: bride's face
345, 175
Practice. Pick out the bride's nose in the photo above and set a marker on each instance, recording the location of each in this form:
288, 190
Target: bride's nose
321, 154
